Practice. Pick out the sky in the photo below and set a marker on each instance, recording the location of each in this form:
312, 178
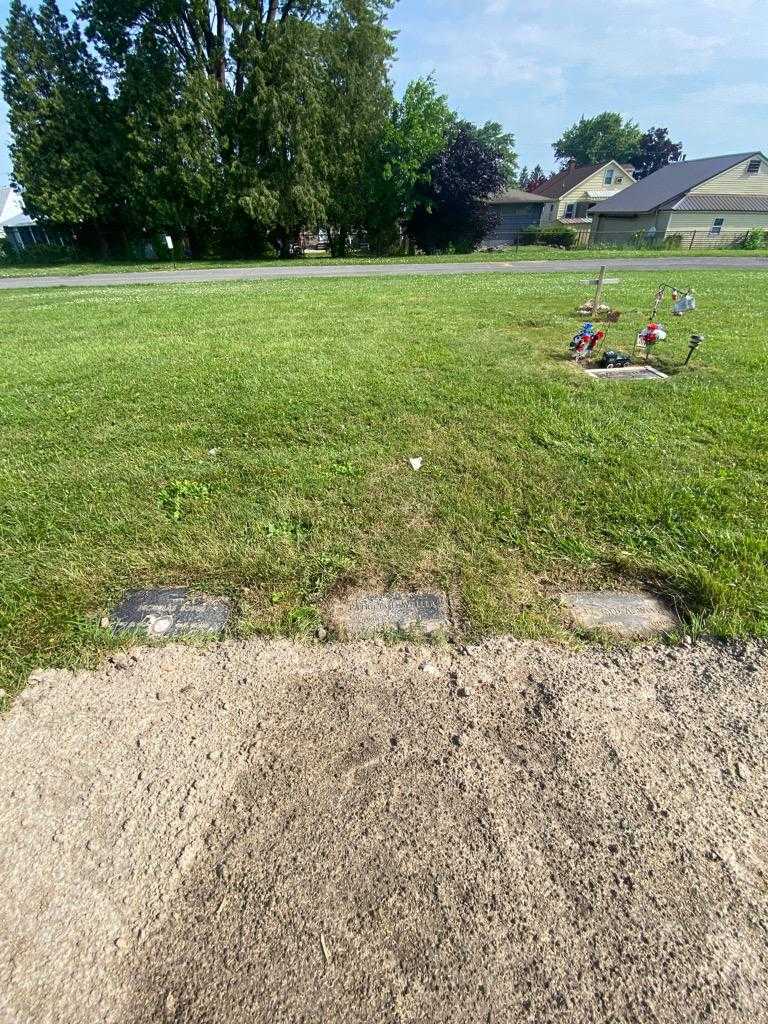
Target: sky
699, 67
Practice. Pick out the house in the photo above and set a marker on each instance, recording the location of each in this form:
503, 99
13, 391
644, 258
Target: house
17, 226
575, 189
516, 210
719, 197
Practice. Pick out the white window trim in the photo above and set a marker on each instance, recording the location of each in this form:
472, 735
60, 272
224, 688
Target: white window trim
716, 227
608, 176
757, 164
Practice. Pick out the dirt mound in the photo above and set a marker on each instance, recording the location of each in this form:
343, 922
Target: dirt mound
270, 832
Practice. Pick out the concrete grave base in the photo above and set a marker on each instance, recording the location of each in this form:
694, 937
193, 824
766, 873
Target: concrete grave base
628, 615
626, 373
170, 611
366, 614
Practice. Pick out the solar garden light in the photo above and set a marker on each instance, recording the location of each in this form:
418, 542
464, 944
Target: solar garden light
693, 344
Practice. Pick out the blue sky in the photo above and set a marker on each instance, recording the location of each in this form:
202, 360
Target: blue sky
699, 67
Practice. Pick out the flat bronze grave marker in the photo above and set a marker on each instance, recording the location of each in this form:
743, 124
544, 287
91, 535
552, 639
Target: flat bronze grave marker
170, 611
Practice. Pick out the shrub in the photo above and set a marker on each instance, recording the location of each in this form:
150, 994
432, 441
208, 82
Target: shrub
39, 253
673, 242
557, 234
755, 238
529, 235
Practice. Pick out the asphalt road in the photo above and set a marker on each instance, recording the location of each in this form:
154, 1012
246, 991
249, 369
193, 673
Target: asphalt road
387, 270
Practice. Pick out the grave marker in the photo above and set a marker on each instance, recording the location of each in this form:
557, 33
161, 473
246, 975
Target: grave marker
170, 611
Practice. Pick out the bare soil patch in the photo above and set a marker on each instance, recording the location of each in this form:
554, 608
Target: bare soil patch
275, 832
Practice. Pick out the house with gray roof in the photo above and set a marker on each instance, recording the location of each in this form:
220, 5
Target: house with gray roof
719, 198
515, 210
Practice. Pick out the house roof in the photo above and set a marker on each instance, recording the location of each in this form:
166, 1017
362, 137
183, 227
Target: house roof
21, 220
562, 182
668, 184
10, 204
516, 195
706, 203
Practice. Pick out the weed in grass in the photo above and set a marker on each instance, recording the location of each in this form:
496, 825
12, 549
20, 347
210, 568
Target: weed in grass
177, 496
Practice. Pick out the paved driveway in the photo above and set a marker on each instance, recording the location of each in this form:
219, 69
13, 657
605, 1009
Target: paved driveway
388, 270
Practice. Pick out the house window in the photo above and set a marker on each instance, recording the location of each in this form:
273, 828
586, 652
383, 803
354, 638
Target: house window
608, 176
753, 167
619, 181
717, 225
570, 211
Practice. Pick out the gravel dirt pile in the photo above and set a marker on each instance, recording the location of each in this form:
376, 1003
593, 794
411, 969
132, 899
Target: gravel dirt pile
271, 832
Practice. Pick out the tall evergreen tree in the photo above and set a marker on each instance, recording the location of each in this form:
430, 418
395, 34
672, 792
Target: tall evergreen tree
64, 147
536, 178
231, 120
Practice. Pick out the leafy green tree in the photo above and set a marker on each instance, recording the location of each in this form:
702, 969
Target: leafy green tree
357, 115
656, 150
492, 135
606, 136
399, 167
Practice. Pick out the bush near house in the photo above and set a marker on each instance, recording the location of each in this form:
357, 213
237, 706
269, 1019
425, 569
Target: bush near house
757, 238
35, 255
558, 235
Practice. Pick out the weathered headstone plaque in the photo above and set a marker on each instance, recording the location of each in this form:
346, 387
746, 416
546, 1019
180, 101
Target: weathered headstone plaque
627, 373
629, 615
365, 614
170, 611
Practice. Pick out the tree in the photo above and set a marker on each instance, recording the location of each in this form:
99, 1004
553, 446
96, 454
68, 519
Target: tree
228, 120
593, 140
64, 138
492, 135
536, 178
358, 117
656, 150
400, 166
523, 178
453, 210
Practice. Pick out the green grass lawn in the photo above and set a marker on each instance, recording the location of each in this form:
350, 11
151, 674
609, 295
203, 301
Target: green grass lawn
523, 253
276, 419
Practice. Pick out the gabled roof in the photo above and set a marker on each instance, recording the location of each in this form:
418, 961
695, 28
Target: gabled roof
564, 181
669, 184
517, 195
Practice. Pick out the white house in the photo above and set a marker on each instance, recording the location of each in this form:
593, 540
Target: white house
17, 226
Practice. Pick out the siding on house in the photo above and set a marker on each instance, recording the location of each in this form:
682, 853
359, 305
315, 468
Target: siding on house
513, 217
681, 199
686, 221
623, 227
736, 181
515, 210
594, 183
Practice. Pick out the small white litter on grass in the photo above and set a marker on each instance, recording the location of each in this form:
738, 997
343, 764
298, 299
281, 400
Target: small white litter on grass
416, 463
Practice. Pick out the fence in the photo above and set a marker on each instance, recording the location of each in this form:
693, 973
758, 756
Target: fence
679, 240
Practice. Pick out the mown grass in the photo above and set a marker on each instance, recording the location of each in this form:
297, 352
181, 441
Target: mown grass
252, 438
527, 253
